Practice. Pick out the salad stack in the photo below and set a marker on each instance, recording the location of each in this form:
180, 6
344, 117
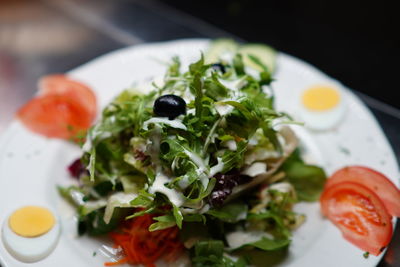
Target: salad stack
200, 167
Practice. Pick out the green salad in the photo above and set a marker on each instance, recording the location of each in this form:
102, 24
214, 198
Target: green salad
204, 152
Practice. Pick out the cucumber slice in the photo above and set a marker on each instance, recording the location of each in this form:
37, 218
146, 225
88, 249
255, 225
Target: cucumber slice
265, 53
219, 47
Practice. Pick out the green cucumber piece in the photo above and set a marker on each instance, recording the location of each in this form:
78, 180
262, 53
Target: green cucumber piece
217, 48
265, 53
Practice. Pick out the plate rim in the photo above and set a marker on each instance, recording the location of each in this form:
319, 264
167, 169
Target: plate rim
11, 127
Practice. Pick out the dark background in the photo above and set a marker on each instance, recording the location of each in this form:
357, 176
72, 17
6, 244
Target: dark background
356, 42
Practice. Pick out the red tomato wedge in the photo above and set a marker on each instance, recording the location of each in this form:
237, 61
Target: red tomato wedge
373, 180
359, 214
59, 84
55, 116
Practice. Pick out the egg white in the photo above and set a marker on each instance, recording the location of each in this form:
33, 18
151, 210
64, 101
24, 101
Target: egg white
323, 120
30, 249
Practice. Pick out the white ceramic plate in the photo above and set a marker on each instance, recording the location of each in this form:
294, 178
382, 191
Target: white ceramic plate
31, 166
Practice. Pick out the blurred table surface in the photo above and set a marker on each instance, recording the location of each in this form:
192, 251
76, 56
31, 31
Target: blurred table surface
50, 36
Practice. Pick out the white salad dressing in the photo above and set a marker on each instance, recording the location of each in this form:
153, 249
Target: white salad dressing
174, 164
231, 145
158, 185
242, 215
161, 179
77, 197
87, 146
191, 111
253, 141
234, 85
252, 72
90, 206
260, 154
184, 182
217, 168
282, 187
196, 159
202, 170
255, 169
267, 90
223, 109
203, 210
227, 56
172, 123
117, 200
202, 177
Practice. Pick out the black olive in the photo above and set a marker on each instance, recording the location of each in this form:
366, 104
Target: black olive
170, 106
218, 67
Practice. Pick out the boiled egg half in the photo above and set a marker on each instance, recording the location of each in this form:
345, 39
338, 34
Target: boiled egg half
30, 233
321, 107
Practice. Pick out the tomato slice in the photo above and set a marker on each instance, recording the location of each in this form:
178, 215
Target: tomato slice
359, 214
55, 116
59, 84
373, 180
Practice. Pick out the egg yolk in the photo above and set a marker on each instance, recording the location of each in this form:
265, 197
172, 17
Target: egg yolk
31, 221
320, 98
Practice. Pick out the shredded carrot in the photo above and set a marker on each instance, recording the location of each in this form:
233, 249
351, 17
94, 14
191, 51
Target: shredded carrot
140, 246
121, 261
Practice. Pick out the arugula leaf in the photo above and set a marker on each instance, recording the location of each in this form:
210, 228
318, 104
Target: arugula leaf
194, 218
234, 159
239, 106
163, 222
177, 215
92, 163
269, 244
144, 199
196, 86
198, 66
198, 90
214, 88
271, 134
141, 213
255, 239
133, 183
265, 75
174, 67
276, 217
308, 180
72, 194
211, 253
94, 224
238, 64
231, 212
202, 193
103, 188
